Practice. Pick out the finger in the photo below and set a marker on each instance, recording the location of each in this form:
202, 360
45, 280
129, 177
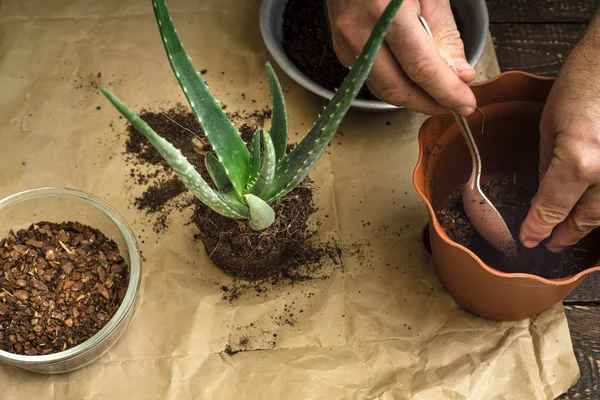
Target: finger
420, 59
547, 136
584, 218
386, 81
447, 37
558, 192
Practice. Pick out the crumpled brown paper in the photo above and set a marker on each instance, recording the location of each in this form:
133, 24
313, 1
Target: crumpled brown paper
383, 327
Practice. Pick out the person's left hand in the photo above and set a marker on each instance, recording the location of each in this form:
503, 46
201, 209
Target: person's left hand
567, 204
411, 69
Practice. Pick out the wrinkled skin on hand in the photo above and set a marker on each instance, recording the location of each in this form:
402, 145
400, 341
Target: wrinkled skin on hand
567, 204
411, 69
432, 76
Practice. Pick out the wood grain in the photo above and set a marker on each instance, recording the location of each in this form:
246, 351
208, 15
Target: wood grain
541, 10
584, 323
587, 292
536, 48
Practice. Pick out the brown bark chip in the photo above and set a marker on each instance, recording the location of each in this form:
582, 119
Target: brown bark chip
59, 285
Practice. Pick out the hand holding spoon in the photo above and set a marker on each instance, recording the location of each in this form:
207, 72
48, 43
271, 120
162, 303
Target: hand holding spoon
479, 209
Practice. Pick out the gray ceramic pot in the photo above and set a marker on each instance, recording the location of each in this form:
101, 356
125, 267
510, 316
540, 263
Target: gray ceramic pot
472, 13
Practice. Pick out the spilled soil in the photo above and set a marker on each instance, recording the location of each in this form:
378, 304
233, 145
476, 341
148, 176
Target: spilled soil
163, 194
305, 256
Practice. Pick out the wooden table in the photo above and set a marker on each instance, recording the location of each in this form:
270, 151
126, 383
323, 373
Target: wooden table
536, 36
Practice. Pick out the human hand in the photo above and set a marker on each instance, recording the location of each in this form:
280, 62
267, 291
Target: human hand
411, 69
567, 204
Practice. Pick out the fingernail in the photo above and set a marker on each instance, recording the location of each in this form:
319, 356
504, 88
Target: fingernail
465, 110
530, 243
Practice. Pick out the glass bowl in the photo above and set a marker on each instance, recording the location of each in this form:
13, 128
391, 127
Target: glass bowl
55, 204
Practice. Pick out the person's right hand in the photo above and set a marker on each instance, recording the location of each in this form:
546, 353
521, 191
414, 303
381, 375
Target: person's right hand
567, 205
411, 70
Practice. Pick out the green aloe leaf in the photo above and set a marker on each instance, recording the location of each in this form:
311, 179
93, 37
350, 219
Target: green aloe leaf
254, 158
216, 171
292, 170
279, 122
222, 134
219, 202
267, 169
261, 214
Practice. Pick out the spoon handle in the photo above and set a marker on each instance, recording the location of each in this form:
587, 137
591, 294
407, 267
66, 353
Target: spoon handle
466, 132
475, 157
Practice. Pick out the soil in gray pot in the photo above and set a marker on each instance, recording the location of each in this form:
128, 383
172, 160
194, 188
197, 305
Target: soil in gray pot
308, 44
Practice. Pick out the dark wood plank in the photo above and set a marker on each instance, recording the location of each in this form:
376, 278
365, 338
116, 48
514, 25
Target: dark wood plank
584, 323
541, 10
587, 292
536, 48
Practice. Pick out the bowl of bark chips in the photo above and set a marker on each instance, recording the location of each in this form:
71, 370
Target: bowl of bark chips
297, 34
69, 276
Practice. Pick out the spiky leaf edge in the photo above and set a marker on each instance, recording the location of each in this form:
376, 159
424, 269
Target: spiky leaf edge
221, 203
292, 170
279, 122
254, 158
216, 171
267, 169
220, 131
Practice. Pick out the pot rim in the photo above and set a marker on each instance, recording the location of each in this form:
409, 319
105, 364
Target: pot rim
276, 50
438, 228
126, 306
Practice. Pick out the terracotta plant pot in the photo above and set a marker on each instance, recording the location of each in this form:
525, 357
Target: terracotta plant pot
512, 104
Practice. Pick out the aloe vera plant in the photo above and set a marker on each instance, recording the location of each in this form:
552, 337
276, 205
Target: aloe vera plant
246, 179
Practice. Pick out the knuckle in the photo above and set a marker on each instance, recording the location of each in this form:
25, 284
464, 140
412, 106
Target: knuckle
375, 9
450, 38
393, 94
547, 217
422, 71
342, 29
346, 35
583, 226
582, 165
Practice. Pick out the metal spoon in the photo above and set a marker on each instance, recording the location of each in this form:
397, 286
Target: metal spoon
481, 212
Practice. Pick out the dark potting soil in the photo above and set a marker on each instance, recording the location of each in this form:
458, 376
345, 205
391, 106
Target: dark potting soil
163, 193
178, 126
308, 44
261, 335
163, 190
59, 285
243, 253
512, 198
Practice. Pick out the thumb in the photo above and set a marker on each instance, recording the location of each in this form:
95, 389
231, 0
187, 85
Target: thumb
449, 42
557, 194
